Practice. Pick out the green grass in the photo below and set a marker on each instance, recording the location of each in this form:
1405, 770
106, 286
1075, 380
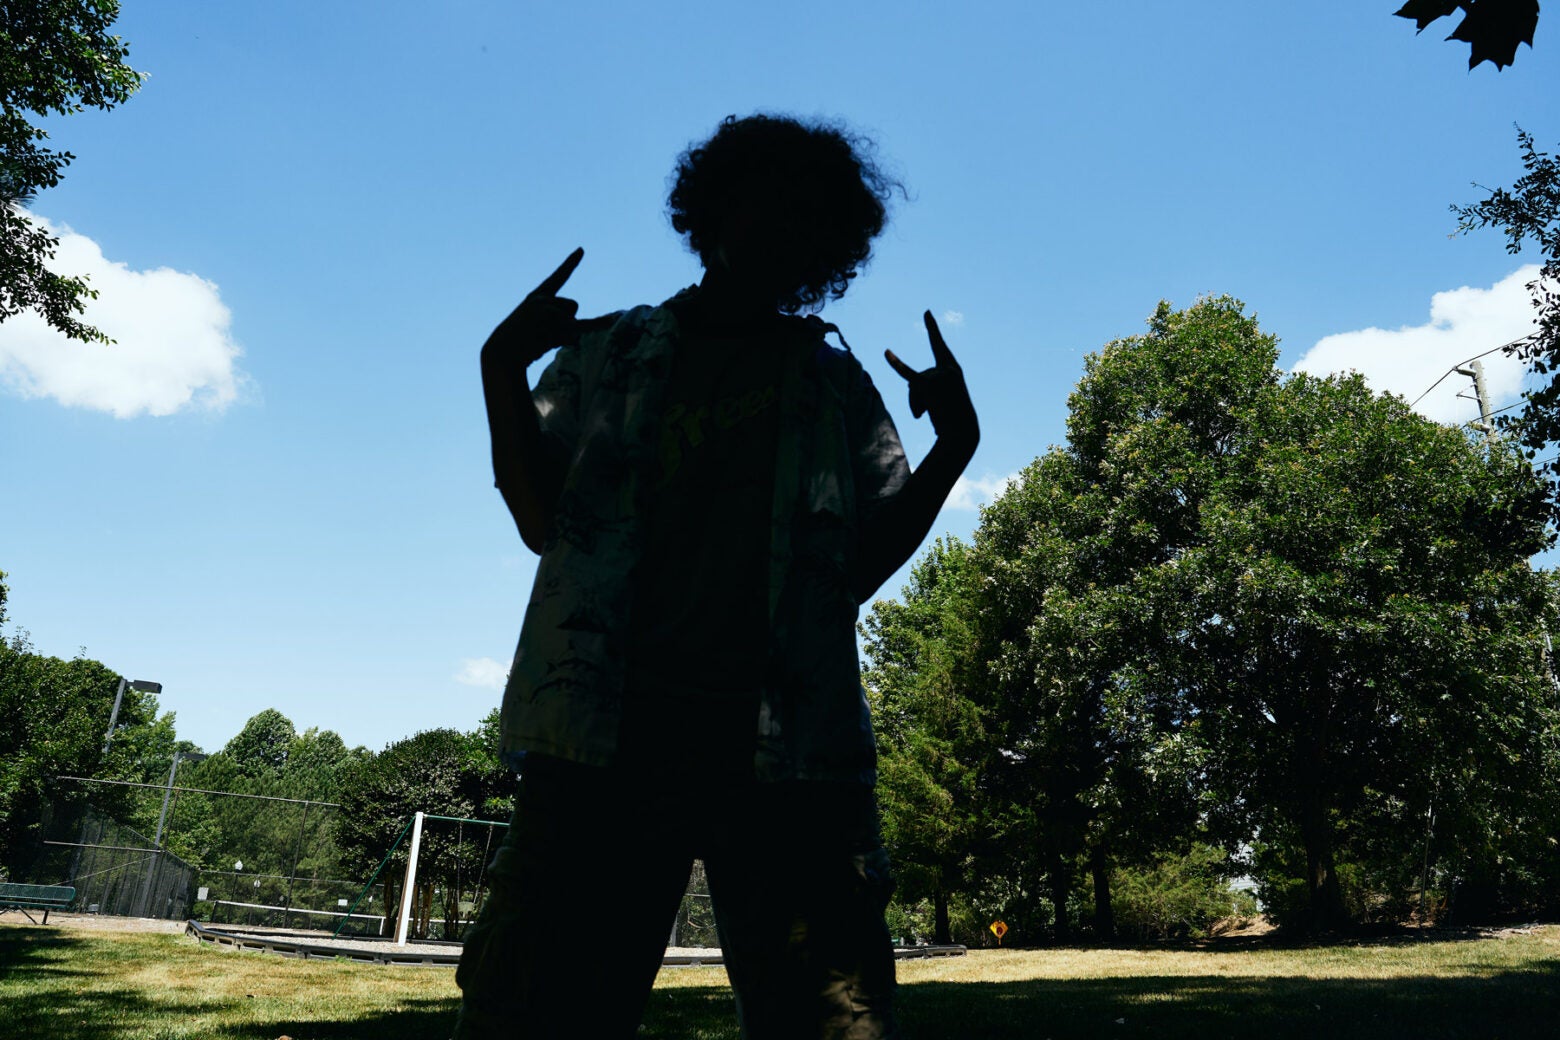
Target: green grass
69, 984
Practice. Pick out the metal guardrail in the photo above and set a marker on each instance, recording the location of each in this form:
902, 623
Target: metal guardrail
292, 946
289, 946
714, 957
902, 953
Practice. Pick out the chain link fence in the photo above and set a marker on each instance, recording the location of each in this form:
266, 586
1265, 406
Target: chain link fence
118, 870
115, 869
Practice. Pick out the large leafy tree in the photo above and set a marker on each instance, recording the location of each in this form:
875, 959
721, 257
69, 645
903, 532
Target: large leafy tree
1020, 684
1359, 619
1232, 607
267, 757
443, 772
53, 715
54, 718
932, 745
261, 748
1300, 591
56, 57
1091, 721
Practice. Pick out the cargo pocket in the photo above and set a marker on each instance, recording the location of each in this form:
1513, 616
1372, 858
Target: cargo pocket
870, 983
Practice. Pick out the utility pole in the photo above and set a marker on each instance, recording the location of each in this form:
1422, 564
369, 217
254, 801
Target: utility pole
156, 860
1475, 371
140, 685
113, 716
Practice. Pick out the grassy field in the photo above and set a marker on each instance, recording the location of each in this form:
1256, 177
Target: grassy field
75, 984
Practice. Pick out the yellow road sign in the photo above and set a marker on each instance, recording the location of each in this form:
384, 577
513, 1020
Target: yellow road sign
999, 929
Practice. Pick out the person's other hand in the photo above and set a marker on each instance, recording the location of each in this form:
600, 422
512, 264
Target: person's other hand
542, 321
939, 391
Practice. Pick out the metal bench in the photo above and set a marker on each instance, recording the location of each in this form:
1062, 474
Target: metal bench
27, 898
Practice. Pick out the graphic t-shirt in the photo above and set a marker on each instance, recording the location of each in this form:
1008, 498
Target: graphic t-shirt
837, 458
699, 624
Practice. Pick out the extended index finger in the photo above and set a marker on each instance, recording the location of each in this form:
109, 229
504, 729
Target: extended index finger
553, 282
899, 366
940, 351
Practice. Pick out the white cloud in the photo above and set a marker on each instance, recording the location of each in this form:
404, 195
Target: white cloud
482, 671
953, 317
174, 349
1463, 323
972, 494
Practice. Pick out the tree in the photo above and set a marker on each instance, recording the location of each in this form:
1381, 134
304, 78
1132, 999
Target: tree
443, 772
1090, 717
1234, 608
267, 757
53, 714
1360, 614
56, 57
1491, 28
931, 743
261, 748
1296, 590
1530, 211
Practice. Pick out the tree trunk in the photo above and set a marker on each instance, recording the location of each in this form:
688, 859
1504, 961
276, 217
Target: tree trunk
942, 930
1061, 885
392, 909
1104, 915
422, 910
1325, 896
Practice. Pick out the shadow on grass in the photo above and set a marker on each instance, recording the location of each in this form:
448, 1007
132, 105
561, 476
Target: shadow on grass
51, 993
1508, 1004
1281, 939
59, 985
1511, 1003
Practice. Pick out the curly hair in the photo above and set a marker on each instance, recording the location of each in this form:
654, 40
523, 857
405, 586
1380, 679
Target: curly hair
815, 179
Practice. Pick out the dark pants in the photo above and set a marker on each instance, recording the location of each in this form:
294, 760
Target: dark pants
590, 877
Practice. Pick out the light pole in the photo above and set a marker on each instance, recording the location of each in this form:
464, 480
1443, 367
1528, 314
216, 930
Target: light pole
178, 756
156, 860
139, 685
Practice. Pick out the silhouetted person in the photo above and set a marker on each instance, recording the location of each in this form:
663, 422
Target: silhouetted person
713, 490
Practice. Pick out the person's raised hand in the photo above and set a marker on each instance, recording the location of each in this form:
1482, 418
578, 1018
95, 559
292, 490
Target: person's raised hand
543, 320
939, 391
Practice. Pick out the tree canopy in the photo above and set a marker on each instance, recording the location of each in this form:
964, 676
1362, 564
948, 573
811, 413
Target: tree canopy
57, 57
53, 716
443, 772
1235, 610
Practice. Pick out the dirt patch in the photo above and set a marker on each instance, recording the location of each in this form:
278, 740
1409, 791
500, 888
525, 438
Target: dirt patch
105, 923
1240, 927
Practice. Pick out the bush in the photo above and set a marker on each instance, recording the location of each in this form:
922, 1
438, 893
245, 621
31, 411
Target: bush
1177, 897
1374, 893
909, 923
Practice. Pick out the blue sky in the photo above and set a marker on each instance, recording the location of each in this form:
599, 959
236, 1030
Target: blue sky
275, 492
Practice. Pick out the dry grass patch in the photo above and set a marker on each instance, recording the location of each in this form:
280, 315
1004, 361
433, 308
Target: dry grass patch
1471, 953
67, 984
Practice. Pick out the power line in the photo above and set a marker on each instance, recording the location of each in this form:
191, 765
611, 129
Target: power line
1497, 411
1476, 357
201, 790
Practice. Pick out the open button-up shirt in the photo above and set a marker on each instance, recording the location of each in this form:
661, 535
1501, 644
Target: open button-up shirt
838, 457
